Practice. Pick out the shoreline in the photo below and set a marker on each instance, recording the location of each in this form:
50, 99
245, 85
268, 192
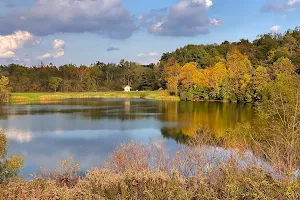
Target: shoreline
46, 96
28, 97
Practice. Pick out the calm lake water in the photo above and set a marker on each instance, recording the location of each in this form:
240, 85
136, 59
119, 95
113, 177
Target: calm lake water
90, 129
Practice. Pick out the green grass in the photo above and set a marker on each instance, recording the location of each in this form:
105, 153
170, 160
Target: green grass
30, 97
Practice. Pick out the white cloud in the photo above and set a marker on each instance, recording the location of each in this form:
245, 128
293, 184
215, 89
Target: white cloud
58, 44
59, 47
153, 54
58, 50
7, 54
274, 29
141, 55
208, 3
10, 43
45, 56
215, 22
59, 53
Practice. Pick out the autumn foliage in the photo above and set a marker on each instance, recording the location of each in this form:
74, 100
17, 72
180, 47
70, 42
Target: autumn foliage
233, 79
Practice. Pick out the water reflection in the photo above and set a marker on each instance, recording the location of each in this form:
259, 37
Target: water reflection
217, 117
19, 136
89, 129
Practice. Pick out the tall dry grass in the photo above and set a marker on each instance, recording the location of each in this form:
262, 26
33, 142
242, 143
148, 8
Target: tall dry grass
150, 171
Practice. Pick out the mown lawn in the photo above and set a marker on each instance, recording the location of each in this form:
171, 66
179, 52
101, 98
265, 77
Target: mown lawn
157, 95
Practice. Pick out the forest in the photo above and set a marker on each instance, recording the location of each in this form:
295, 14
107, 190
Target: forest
236, 71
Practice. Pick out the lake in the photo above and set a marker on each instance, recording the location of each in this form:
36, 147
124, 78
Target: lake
89, 129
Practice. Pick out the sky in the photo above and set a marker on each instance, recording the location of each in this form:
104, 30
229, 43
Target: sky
86, 31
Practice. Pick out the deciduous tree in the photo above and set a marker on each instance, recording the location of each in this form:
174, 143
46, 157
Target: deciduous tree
4, 89
54, 83
240, 71
282, 67
9, 166
187, 73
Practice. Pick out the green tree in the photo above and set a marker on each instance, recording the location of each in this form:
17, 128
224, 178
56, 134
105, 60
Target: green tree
274, 55
54, 82
290, 43
264, 44
277, 129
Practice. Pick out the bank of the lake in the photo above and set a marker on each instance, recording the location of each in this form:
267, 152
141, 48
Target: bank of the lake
30, 97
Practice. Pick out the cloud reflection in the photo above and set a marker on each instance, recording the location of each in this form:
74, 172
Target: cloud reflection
19, 136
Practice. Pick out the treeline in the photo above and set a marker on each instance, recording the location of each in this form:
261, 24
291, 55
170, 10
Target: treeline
263, 51
72, 78
239, 71
235, 71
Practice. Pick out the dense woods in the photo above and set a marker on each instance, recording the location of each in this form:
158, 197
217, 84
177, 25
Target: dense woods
72, 78
263, 51
237, 71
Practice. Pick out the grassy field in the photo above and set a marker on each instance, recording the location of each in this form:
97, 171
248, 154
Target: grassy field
29, 97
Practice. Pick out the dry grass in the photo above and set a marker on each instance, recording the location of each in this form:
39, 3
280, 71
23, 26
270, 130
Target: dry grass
146, 184
137, 171
30, 97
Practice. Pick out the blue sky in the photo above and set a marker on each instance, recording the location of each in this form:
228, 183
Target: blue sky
83, 31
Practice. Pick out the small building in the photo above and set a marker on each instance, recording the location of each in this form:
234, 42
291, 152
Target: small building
127, 88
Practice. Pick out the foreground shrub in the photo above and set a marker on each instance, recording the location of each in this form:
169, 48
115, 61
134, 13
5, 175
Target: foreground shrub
67, 174
9, 167
274, 133
136, 171
230, 183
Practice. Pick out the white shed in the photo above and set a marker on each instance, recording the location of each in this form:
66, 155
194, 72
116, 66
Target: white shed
127, 88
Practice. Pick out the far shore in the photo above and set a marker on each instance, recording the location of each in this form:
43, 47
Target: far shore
31, 97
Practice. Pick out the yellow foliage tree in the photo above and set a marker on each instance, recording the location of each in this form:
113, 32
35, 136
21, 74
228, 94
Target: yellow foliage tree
282, 67
240, 72
172, 74
200, 78
4, 89
187, 73
216, 75
259, 81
